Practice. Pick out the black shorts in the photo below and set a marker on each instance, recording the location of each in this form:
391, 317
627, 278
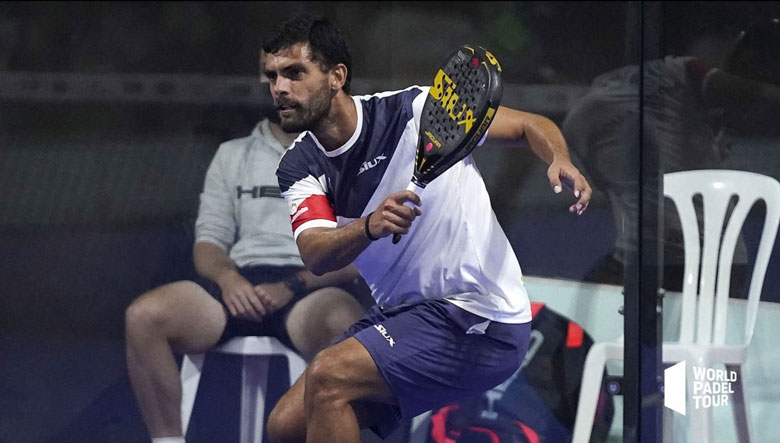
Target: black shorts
274, 324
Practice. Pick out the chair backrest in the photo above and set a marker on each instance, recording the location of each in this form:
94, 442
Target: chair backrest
705, 299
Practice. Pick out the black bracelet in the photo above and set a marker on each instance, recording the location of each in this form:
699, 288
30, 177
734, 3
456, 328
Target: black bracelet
368, 231
295, 284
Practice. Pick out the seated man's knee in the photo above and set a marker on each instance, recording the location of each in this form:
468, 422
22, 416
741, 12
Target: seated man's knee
344, 312
321, 317
145, 316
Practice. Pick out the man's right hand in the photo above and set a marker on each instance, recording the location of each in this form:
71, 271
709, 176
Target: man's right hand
240, 297
392, 216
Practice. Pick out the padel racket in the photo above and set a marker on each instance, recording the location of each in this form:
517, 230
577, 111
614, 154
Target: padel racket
457, 112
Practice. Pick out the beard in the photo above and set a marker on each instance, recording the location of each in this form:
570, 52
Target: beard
307, 116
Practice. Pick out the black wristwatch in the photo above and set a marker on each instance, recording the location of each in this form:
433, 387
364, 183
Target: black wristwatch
295, 283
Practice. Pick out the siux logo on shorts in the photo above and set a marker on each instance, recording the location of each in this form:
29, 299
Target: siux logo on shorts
384, 333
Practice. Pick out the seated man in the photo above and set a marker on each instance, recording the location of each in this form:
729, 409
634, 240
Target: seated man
254, 282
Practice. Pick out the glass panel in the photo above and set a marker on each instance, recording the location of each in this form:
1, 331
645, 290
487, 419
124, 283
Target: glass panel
717, 109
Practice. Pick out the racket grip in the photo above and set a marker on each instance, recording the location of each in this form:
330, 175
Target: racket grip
417, 190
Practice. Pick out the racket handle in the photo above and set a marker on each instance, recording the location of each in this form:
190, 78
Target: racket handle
417, 190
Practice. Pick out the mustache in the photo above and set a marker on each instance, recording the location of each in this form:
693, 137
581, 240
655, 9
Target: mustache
282, 103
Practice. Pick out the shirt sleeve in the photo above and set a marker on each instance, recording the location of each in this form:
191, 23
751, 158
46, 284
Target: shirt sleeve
306, 196
216, 221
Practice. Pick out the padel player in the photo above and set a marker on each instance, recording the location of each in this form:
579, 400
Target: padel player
452, 316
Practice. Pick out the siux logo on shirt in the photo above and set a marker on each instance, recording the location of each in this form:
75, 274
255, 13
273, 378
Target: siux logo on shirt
371, 163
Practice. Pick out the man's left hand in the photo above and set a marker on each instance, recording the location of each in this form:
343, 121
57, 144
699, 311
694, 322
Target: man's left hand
563, 171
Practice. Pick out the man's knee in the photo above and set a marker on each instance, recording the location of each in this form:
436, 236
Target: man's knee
326, 378
344, 312
344, 372
146, 316
319, 318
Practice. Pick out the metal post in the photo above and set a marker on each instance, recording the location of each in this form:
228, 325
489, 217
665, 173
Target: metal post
643, 399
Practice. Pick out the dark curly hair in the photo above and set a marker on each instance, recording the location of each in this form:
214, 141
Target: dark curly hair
327, 44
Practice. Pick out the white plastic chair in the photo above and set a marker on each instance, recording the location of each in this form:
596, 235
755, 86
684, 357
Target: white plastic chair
704, 316
256, 352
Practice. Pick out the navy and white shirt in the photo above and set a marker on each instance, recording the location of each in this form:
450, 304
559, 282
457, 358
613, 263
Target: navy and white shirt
455, 250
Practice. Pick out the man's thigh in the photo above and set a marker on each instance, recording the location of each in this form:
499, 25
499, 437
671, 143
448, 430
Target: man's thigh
349, 364
352, 362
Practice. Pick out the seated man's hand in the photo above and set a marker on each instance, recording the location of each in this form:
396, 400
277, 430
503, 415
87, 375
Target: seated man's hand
241, 299
273, 296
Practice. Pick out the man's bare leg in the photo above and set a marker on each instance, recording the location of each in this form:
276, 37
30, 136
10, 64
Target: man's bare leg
179, 317
299, 414
313, 323
287, 421
338, 376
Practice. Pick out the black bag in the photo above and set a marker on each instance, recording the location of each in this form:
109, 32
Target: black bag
538, 403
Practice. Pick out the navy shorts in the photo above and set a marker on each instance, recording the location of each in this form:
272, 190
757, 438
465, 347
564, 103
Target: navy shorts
274, 324
428, 359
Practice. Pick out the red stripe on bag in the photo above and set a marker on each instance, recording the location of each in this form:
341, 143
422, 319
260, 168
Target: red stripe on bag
574, 336
439, 424
530, 434
536, 307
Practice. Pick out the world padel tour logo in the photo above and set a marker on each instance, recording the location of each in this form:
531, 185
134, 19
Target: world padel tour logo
711, 387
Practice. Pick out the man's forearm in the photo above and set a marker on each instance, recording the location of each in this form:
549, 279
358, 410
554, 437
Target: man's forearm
338, 277
329, 249
212, 262
546, 139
